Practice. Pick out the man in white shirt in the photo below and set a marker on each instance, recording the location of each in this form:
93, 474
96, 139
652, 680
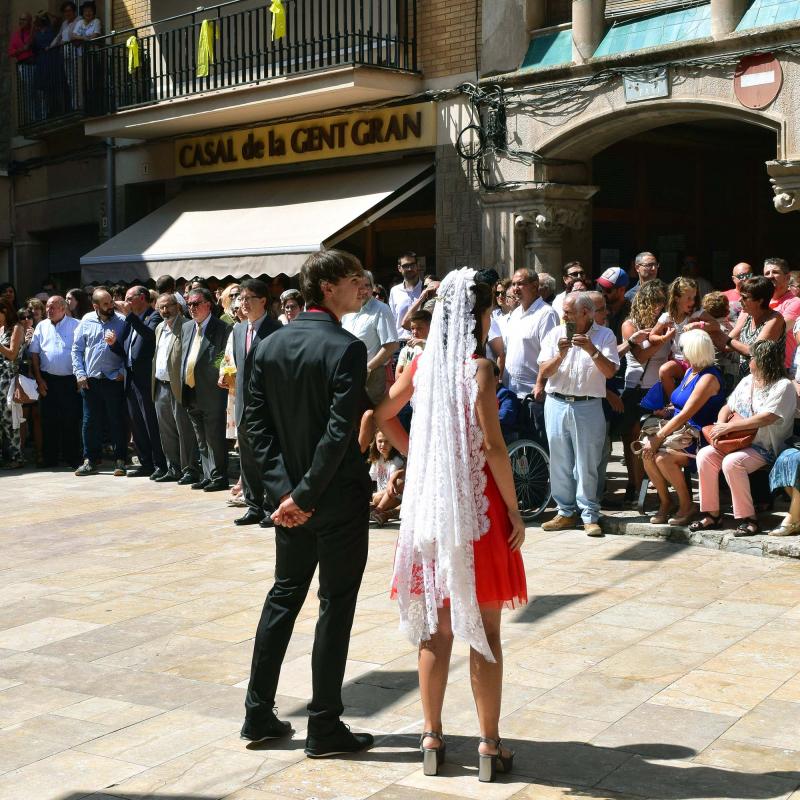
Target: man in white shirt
59, 402
576, 370
375, 326
402, 296
524, 333
573, 271
174, 426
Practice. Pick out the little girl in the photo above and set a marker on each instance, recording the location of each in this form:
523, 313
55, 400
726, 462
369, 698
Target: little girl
681, 311
384, 461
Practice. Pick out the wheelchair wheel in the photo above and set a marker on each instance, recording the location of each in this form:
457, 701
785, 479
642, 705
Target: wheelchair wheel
530, 466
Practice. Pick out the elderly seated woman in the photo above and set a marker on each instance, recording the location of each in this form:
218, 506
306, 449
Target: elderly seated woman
696, 402
765, 400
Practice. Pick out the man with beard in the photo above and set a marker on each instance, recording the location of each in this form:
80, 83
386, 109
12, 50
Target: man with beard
100, 374
175, 427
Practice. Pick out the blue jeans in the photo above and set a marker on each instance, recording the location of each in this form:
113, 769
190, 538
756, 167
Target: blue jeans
576, 433
104, 410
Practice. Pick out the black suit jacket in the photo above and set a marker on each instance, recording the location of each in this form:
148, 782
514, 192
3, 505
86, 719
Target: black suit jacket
244, 360
303, 412
212, 351
138, 350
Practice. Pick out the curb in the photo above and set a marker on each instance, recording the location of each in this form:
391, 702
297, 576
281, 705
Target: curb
766, 546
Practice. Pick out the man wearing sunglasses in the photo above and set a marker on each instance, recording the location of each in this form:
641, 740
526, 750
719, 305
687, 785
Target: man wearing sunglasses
573, 271
741, 272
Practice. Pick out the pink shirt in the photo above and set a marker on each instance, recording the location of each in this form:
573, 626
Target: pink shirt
788, 306
19, 39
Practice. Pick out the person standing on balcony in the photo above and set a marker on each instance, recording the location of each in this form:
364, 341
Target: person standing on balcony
43, 69
68, 55
20, 49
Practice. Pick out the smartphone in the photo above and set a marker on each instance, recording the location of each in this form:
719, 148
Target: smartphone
571, 330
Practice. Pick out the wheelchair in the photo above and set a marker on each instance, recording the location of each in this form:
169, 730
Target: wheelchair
530, 466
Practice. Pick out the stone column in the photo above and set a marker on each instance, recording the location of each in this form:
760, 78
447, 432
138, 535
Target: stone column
726, 15
538, 228
588, 28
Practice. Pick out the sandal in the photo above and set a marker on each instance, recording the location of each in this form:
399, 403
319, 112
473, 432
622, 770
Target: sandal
378, 517
790, 529
432, 757
708, 522
747, 527
489, 764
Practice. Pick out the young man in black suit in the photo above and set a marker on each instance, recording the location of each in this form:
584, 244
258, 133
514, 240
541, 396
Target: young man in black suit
203, 341
137, 344
247, 335
302, 416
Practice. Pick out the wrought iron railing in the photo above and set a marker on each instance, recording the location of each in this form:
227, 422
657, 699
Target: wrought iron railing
320, 34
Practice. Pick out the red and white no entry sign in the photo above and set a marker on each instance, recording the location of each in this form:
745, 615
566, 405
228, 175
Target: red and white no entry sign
758, 80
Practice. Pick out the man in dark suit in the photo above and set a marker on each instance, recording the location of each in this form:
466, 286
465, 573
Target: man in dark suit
203, 341
253, 295
302, 419
177, 434
136, 344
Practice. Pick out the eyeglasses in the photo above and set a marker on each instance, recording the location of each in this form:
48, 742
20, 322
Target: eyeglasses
648, 266
195, 303
743, 276
291, 307
499, 294
576, 274
246, 298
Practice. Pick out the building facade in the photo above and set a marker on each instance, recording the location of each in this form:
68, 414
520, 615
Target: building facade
194, 143
631, 125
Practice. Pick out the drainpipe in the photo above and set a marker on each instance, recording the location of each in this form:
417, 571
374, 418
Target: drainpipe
726, 15
588, 27
111, 185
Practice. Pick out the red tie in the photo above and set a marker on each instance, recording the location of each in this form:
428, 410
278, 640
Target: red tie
249, 340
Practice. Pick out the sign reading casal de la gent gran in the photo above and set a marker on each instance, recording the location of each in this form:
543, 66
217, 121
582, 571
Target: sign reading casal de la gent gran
359, 133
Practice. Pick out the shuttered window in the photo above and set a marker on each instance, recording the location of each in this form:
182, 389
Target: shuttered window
631, 8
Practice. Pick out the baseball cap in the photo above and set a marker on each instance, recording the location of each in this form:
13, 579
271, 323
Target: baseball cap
613, 278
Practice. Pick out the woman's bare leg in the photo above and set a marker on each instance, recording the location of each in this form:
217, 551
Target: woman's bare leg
662, 487
671, 467
487, 681
434, 666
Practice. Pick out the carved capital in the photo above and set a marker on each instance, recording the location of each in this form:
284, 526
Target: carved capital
553, 220
785, 180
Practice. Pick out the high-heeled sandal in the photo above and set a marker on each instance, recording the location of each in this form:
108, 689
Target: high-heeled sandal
489, 764
432, 757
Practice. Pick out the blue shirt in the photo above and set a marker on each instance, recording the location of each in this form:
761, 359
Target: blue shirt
53, 343
91, 355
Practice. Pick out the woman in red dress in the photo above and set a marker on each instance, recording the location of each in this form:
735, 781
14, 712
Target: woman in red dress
458, 561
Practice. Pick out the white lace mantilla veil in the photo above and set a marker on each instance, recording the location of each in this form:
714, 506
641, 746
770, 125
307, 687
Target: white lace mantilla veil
444, 505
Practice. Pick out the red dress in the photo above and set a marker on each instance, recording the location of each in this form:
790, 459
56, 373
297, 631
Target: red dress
499, 571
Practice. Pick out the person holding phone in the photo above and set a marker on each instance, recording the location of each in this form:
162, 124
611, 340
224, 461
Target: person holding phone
575, 360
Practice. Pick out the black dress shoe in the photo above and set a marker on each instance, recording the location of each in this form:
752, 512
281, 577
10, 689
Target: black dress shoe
216, 486
267, 522
201, 484
187, 480
140, 472
251, 517
167, 477
341, 741
269, 728
158, 472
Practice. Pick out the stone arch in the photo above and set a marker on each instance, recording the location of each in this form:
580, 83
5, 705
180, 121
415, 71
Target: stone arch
586, 136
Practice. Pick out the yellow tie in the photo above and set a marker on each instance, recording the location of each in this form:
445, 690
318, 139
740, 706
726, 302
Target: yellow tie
191, 361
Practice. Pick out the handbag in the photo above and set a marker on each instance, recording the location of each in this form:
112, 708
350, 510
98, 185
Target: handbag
677, 441
736, 440
731, 442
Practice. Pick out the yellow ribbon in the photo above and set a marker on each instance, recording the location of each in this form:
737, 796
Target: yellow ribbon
278, 19
205, 47
133, 54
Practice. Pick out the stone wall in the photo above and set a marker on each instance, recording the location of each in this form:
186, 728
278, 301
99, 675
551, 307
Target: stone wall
130, 13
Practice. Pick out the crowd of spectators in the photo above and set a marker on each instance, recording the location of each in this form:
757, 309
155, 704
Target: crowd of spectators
688, 382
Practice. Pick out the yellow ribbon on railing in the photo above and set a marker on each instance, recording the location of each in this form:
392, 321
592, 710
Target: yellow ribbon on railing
278, 19
133, 54
205, 47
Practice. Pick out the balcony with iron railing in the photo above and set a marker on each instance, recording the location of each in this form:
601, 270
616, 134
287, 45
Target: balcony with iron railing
224, 57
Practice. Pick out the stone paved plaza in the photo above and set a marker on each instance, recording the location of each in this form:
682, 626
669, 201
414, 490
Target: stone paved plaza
639, 669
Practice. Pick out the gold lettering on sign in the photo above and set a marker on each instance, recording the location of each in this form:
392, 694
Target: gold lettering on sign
380, 130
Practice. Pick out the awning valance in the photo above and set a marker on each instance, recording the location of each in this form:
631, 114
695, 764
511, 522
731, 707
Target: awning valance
253, 227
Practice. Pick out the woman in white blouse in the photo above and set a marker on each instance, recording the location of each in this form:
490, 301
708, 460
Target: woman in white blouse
765, 400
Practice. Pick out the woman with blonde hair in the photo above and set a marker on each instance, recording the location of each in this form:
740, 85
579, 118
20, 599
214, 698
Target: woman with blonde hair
226, 298
696, 402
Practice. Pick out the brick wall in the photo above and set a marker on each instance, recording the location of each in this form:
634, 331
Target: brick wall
128, 13
446, 34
